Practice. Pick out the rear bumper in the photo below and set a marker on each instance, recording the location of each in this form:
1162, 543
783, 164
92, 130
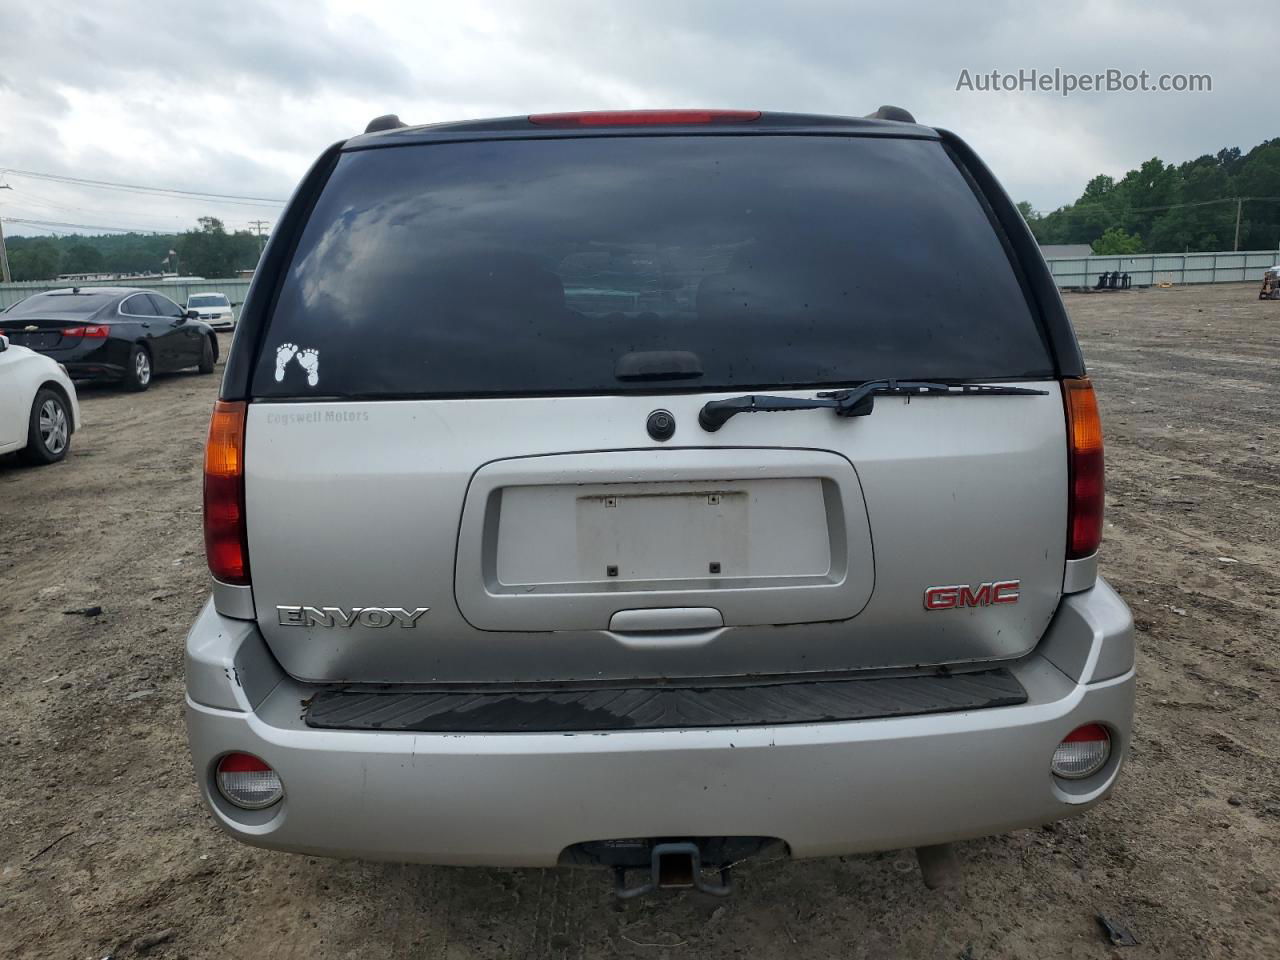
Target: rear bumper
521, 799
104, 360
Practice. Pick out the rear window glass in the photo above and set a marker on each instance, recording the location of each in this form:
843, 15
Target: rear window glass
532, 267
207, 300
58, 304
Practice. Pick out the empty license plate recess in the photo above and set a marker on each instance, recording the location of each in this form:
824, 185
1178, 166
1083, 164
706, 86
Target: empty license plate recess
763, 536
676, 531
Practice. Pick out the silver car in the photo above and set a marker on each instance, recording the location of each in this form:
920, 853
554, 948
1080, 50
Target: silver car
616, 489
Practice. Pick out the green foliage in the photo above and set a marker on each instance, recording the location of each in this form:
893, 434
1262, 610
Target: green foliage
37, 258
212, 253
1116, 241
82, 258
1028, 212
1111, 212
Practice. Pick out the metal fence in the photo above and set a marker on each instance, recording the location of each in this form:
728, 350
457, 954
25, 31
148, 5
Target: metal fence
11, 293
1148, 269
1144, 269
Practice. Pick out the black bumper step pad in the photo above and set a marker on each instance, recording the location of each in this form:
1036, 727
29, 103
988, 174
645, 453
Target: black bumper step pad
656, 706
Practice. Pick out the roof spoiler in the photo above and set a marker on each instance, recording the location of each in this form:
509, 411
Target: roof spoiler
887, 112
388, 121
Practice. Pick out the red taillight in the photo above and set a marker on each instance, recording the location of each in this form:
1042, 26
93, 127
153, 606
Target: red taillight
1085, 469
241, 763
633, 118
93, 331
225, 541
1088, 733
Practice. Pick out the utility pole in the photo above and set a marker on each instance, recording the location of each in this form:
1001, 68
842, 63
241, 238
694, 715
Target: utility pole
1239, 202
262, 241
5, 276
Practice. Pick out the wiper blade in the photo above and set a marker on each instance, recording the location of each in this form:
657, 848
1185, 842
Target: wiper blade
857, 402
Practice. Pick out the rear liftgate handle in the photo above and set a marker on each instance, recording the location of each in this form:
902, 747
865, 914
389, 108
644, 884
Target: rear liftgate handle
666, 627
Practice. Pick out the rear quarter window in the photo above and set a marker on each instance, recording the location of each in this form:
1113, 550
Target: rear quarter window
531, 266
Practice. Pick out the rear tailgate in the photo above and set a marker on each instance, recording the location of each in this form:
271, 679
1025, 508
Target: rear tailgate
447, 470
460, 507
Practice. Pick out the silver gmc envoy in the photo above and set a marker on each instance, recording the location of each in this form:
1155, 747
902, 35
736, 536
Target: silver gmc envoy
653, 490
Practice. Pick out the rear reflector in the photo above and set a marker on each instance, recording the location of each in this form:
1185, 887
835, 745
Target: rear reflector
94, 331
1085, 469
225, 540
634, 118
1083, 752
247, 782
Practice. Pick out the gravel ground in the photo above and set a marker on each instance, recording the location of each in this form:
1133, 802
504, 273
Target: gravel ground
103, 840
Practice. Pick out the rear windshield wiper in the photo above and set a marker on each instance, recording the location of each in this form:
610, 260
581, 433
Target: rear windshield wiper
857, 402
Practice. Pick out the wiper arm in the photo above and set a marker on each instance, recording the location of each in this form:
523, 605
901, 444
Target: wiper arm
716, 413
857, 402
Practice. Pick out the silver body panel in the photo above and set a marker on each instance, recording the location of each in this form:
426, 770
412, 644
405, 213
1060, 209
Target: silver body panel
477, 509
831, 788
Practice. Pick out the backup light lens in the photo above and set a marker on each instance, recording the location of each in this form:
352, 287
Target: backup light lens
1083, 752
247, 782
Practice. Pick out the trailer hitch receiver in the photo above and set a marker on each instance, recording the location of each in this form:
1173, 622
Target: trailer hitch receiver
673, 866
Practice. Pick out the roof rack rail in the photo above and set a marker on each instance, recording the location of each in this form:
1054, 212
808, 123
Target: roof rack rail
388, 121
888, 112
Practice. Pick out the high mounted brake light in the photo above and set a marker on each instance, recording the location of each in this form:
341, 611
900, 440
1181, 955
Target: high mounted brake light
1086, 488
225, 539
636, 118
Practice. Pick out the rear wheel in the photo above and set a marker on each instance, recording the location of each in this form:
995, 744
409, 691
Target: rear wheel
207, 356
137, 373
49, 430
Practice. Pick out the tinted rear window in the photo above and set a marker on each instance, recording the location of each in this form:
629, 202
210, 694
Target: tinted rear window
60, 304
531, 267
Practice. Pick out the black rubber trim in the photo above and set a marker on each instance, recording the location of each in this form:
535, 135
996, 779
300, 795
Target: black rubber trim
520, 128
259, 302
1029, 260
656, 706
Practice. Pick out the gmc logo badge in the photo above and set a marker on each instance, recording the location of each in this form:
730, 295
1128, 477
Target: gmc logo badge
963, 595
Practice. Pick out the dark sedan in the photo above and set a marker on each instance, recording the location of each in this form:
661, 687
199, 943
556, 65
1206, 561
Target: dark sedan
112, 333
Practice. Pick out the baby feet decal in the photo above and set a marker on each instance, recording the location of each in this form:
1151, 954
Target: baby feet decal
308, 359
284, 353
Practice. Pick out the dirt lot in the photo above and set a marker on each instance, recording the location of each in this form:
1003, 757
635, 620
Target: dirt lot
103, 839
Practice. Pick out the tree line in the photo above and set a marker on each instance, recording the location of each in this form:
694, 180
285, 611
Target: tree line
206, 251
1156, 208
1174, 208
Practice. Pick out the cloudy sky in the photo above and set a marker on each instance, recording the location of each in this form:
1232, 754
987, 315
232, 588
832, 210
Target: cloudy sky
238, 98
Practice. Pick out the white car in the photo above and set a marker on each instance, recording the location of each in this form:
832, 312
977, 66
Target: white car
214, 308
39, 410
